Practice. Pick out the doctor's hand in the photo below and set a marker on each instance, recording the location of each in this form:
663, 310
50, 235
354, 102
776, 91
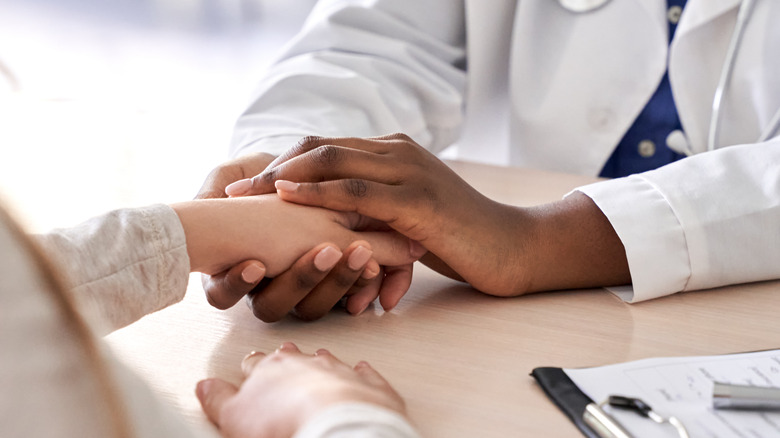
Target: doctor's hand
499, 249
225, 288
285, 389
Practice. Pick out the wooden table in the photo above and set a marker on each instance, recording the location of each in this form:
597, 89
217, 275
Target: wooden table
461, 359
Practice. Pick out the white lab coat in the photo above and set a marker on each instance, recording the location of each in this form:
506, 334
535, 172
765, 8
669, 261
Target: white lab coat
543, 87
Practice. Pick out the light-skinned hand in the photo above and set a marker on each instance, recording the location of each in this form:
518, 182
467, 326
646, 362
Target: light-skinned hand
248, 277
222, 233
284, 389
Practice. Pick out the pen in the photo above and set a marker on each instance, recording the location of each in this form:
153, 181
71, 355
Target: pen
728, 396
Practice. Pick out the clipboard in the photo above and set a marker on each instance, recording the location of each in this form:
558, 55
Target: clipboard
679, 390
565, 394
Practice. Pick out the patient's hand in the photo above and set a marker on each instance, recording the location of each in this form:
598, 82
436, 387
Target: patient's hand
224, 232
304, 278
284, 389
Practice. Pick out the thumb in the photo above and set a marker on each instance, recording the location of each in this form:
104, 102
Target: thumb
392, 248
212, 394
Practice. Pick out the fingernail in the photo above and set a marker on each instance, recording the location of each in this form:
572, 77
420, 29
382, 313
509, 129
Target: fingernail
252, 274
239, 187
202, 388
286, 186
416, 249
363, 308
287, 346
370, 272
359, 257
249, 361
327, 258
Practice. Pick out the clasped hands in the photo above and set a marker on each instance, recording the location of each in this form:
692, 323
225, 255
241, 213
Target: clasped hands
389, 183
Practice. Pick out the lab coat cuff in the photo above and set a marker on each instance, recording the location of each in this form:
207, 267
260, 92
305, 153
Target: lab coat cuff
358, 420
651, 234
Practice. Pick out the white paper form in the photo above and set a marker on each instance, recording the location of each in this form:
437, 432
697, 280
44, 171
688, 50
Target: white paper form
683, 387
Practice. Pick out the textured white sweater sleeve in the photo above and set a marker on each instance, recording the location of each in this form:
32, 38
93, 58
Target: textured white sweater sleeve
356, 420
122, 265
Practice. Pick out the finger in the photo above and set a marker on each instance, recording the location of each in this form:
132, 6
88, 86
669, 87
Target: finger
327, 162
238, 169
323, 156
212, 394
335, 285
307, 144
369, 374
250, 361
226, 289
363, 294
288, 347
395, 285
368, 198
326, 359
371, 271
279, 297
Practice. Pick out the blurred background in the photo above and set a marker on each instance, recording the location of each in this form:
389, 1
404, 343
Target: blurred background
119, 103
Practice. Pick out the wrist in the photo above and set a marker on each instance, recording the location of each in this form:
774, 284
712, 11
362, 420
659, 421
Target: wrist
202, 248
574, 246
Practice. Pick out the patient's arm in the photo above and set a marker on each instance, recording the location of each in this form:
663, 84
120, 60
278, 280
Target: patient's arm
128, 263
222, 232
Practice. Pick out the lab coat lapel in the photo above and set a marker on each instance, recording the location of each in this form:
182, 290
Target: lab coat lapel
695, 60
657, 11
579, 80
700, 12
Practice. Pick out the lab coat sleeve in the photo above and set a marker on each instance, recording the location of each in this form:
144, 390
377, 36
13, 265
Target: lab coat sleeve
122, 265
363, 68
706, 221
356, 420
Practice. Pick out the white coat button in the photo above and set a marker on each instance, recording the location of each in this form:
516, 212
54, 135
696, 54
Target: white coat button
673, 14
646, 148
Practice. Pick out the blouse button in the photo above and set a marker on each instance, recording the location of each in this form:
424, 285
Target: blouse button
646, 148
673, 14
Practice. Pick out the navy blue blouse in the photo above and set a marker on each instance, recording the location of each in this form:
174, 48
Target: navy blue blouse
643, 147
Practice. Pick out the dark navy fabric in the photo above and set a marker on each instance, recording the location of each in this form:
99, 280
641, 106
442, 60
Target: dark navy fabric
654, 123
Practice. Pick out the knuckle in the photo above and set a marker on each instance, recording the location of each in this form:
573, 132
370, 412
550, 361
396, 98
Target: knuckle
310, 314
356, 188
235, 285
269, 176
344, 280
326, 155
400, 136
214, 301
306, 282
362, 282
325, 360
264, 313
308, 143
